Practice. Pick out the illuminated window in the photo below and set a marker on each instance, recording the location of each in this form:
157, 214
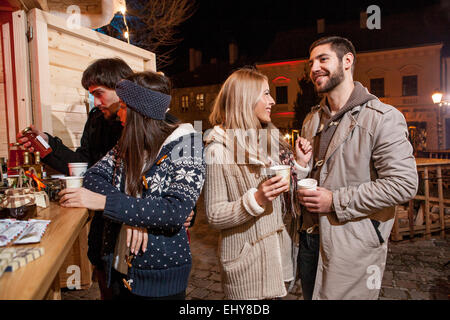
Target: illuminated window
200, 101
184, 103
282, 95
377, 87
409, 86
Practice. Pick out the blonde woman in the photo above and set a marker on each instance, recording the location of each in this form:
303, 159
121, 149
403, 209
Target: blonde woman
241, 198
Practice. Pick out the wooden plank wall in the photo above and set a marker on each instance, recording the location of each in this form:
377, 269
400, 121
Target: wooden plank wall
69, 56
3, 120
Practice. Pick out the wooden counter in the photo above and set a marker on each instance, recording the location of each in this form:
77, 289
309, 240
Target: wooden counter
39, 279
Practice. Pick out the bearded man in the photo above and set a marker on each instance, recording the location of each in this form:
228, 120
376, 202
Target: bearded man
364, 165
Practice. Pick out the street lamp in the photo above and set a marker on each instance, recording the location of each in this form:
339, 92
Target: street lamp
437, 99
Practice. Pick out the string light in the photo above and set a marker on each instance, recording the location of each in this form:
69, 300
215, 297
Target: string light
123, 10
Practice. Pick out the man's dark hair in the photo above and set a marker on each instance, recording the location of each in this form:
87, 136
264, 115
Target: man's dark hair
105, 72
339, 45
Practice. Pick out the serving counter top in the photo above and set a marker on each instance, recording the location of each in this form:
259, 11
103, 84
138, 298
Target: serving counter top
37, 278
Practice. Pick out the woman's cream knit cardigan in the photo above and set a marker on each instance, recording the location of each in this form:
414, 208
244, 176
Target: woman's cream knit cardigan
254, 247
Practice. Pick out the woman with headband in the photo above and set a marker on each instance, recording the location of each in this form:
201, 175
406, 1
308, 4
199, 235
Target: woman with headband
152, 180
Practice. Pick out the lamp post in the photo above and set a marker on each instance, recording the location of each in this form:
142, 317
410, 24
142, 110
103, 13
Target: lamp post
442, 103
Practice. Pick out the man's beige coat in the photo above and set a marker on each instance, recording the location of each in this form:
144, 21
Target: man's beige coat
369, 166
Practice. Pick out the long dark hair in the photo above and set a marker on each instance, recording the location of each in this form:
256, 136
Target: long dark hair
142, 137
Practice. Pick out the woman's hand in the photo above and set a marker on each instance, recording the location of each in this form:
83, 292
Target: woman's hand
270, 189
82, 198
137, 238
303, 151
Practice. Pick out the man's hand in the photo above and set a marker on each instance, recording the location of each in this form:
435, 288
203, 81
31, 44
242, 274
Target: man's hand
303, 151
316, 201
24, 140
82, 198
137, 238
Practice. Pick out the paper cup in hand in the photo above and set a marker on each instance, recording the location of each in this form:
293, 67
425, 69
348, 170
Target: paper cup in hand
284, 171
71, 182
77, 168
309, 183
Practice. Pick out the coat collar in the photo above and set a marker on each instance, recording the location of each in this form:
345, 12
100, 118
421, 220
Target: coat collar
347, 124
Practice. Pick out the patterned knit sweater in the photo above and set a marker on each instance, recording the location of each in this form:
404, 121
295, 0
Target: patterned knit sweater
174, 186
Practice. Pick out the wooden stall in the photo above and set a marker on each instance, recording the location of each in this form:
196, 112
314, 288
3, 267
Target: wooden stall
59, 54
43, 60
433, 198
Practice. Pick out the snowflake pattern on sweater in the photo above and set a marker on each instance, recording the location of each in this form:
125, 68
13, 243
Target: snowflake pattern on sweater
174, 186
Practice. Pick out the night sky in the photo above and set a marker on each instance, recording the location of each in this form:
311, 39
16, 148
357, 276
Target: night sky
253, 24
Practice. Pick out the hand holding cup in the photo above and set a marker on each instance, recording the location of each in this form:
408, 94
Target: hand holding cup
315, 199
270, 189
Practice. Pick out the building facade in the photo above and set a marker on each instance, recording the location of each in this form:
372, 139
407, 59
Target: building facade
405, 78
402, 77
194, 104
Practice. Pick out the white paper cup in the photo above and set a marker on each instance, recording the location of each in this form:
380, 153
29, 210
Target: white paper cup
77, 168
284, 171
71, 182
309, 183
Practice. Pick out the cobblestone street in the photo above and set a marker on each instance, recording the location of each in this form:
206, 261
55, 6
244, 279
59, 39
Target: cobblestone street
416, 270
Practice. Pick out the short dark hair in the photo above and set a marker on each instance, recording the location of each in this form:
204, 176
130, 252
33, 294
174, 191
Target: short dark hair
339, 45
105, 72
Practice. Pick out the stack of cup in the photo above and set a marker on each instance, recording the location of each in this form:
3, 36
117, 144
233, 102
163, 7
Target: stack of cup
76, 171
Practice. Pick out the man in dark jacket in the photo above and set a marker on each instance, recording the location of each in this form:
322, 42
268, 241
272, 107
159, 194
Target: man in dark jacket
101, 133
102, 129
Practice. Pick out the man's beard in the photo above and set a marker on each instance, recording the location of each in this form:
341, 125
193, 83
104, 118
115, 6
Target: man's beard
334, 80
111, 112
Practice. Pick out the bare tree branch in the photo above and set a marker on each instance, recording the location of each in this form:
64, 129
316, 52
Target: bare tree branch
157, 27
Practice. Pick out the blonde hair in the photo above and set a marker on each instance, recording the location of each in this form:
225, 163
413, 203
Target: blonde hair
234, 109
234, 105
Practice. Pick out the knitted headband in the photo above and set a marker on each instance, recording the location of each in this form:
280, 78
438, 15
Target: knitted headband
150, 103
